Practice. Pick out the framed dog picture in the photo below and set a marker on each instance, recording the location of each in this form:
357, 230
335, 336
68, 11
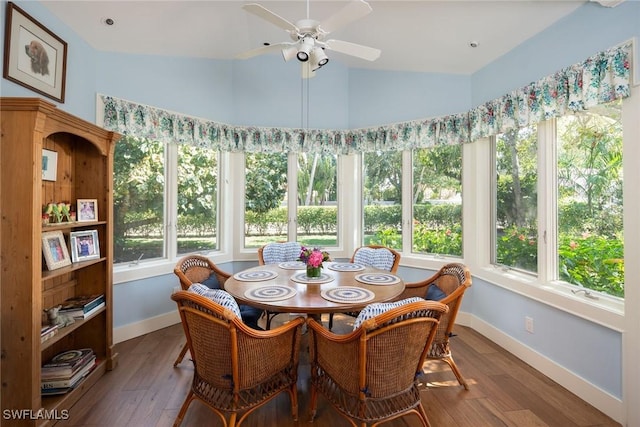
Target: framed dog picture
34, 57
84, 245
87, 210
55, 250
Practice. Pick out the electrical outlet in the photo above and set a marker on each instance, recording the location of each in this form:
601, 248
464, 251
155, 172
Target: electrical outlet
528, 324
176, 289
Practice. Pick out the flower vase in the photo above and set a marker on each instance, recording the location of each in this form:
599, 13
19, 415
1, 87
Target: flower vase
313, 272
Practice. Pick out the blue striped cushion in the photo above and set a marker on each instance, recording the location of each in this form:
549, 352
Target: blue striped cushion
274, 253
218, 296
372, 310
381, 258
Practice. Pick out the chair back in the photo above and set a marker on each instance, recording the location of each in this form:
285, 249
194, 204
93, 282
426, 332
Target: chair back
236, 368
196, 269
371, 373
276, 252
453, 279
377, 256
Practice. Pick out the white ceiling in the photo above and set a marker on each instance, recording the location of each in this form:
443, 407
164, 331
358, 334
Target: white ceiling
422, 36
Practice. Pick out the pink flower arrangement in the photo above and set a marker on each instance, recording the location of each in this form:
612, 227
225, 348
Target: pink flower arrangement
313, 257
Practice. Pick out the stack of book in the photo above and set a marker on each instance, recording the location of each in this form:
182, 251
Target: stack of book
81, 307
65, 370
48, 331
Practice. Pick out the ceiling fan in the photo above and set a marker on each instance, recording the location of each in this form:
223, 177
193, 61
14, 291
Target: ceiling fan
309, 36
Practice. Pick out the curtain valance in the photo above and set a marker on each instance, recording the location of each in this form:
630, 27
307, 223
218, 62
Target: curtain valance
602, 78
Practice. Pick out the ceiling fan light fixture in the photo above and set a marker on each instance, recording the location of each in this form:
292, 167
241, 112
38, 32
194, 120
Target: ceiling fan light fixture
318, 57
289, 52
305, 49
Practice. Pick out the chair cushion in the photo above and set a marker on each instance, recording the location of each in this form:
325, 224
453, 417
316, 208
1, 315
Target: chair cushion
376, 257
251, 315
218, 296
212, 282
434, 293
273, 253
372, 310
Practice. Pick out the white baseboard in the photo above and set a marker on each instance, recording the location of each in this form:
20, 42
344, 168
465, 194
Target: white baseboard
596, 397
145, 326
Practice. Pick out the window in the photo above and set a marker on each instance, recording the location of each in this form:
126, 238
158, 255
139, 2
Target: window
515, 210
266, 213
590, 239
317, 211
138, 200
382, 193
437, 200
197, 197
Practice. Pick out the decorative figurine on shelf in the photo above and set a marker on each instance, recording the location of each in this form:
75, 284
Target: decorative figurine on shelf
54, 212
55, 318
65, 209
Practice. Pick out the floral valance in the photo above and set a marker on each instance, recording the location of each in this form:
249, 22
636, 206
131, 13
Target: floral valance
600, 79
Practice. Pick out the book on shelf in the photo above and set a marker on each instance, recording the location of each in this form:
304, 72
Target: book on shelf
64, 365
82, 306
72, 381
48, 331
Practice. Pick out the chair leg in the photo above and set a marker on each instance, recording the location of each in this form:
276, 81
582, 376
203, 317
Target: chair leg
313, 401
181, 355
183, 409
330, 321
423, 415
293, 395
456, 371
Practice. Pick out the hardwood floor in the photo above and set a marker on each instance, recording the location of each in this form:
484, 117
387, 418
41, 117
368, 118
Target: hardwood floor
145, 390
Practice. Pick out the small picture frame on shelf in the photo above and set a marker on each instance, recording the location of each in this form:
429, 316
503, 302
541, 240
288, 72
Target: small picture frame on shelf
54, 250
49, 165
87, 210
84, 245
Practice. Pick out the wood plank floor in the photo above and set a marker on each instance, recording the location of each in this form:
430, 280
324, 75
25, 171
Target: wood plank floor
145, 390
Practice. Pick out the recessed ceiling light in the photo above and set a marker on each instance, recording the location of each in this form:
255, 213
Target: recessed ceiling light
108, 21
473, 43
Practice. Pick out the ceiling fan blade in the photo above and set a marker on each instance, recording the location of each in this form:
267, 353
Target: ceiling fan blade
262, 50
269, 16
353, 49
355, 9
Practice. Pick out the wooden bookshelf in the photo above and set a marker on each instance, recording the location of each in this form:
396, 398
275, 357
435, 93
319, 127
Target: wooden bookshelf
84, 171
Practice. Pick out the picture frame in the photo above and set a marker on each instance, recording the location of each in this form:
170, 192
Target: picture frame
49, 165
55, 250
34, 57
87, 210
84, 245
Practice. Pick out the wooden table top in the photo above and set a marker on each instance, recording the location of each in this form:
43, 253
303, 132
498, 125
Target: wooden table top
308, 298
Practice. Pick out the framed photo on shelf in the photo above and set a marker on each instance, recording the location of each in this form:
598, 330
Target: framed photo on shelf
49, 165
84, 245
54, 250
87, 210
34, 57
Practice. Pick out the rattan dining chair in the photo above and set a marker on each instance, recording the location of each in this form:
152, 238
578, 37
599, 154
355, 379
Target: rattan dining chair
200, 269
452, 280
370, 375
377, 256
274, 253
236, 368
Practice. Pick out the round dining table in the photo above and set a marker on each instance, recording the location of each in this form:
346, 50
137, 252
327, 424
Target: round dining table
285, 287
